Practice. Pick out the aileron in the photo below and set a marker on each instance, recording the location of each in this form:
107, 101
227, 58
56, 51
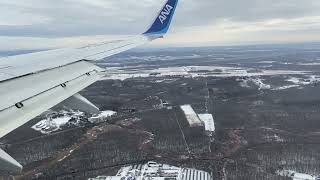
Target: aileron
35, 105
17, 90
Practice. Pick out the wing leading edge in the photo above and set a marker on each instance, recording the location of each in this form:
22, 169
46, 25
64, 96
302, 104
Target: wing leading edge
33, 83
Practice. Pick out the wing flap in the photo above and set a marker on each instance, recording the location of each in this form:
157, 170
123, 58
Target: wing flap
13, 117
8, 164
20, 89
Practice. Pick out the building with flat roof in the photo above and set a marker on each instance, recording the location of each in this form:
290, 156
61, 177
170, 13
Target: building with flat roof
208, 121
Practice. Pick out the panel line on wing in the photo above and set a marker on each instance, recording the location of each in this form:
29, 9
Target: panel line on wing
109, 50
64, 83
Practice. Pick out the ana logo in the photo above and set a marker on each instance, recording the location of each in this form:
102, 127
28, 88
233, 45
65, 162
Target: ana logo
164, 13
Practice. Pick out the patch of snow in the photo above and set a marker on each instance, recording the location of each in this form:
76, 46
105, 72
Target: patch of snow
123, 73
107, 113
149, 139
129, 121
309, 64
64, 157
314, 79
62, 121
244, 83
267, 66
56, 122
286, 63
278, 139
191, 116
166, 80
256, 81
267, 62
295, 175
159, 58
285, 87
294, 80
258, 103
123, 76
100, 117
300, 81
275, 138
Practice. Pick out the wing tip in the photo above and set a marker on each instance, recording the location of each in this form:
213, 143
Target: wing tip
163, 20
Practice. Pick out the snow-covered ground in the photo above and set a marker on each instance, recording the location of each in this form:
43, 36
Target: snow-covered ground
159, 57
295, 175
274, 138
254, 77
101, 116
309, 64
304, 81
300, 82
191, 116
123, 73
56, 121
285, 87
256, 81
267, 62
295, 82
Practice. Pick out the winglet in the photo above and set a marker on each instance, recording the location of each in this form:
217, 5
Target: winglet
162, 22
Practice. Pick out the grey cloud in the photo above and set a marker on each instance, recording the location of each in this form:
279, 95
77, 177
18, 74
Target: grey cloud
73, 18
209, 11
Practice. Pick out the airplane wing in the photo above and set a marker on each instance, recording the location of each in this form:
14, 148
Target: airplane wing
33, 83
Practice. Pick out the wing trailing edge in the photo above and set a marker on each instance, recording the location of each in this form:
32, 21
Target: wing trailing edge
8, 164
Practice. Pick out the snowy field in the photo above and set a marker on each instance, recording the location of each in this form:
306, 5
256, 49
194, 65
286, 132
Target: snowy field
296, 176
100, 117
247, 77
290, 82
57, 121
123, 73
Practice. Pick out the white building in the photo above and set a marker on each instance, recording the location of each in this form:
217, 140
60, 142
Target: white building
208, 122
191, 116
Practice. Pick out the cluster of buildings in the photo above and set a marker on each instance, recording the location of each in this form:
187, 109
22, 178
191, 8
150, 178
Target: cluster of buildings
196, 120
156, 171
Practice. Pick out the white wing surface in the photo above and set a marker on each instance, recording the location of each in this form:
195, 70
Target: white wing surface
33, 83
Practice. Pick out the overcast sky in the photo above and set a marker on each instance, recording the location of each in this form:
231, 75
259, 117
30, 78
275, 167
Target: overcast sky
42, 24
